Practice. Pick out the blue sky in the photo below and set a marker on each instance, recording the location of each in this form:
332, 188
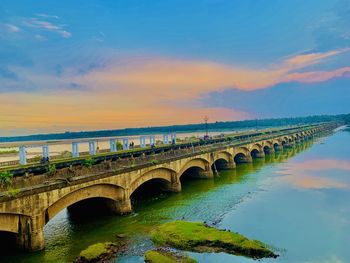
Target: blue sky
85, 65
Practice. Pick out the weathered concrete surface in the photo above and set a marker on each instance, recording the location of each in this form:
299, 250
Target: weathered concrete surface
27, 213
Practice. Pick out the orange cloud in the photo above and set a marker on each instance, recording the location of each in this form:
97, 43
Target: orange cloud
136, 92
317, 76
303, 60
173, 79
58, 112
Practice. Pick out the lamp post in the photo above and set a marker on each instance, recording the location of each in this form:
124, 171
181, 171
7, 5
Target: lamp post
206, 127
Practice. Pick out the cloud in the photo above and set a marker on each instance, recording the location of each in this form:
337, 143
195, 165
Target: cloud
303, 60
48, 26
97, 111
134, 91
47, 16
11, 28
317, 76
174, 78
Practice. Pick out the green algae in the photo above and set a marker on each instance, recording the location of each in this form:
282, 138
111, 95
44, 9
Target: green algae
98, 252
198, 237
158, 256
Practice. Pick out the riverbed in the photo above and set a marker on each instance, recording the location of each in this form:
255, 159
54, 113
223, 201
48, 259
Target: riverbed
296, 201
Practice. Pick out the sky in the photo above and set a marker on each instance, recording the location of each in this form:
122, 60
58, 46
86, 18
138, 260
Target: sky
91, 65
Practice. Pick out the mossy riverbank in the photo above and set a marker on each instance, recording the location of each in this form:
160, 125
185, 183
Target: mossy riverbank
198, 237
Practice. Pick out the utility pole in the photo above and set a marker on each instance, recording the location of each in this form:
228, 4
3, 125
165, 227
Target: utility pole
206, 126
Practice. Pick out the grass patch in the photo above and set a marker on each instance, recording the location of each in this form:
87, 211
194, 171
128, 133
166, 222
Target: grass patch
198, 237
95, 251
158, 256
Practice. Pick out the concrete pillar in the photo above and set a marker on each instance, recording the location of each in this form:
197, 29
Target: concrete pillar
45, 153
75, 149
22, 155
152, 140
207, 173
124, 206
31, 236
228, 166
112, 145
173, 138
142, 141
125, 143
175, 187
92, 147
166, 138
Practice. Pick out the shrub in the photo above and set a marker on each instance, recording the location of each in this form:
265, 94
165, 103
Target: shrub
154, 161
52, 168
89, 162
119, 146
5, 178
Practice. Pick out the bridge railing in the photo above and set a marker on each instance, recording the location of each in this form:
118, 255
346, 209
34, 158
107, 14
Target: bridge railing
132, 163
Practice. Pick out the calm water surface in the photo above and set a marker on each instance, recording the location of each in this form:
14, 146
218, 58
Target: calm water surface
296, 201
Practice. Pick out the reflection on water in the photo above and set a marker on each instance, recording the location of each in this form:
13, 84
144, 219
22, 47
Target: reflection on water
295, 201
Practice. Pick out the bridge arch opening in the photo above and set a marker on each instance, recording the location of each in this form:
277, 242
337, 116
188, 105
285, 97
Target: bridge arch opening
195, 169
255, 153
220, 164
92, 208
240, 158
9, 242
150, 190
191, 173
107, 198
267, 149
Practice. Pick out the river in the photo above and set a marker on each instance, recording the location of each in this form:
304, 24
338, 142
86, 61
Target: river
297, 201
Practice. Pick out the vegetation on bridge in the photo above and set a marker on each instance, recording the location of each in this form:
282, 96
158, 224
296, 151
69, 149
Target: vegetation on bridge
5, 178
198, 237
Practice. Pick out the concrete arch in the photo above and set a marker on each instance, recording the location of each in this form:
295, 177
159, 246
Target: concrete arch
9, 222
224, 155
200, 163
257, 146
242, 157
268, 147
166, 174
108, 191
268, 143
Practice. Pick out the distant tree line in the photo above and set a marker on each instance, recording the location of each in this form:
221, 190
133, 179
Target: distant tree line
228, 125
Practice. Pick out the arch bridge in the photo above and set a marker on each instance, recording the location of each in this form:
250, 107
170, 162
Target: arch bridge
26, 213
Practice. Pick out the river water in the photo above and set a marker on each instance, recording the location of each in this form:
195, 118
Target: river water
296, 201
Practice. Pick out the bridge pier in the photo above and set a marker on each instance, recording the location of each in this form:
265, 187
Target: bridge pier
173, 187
207, 173
30, 235
228, 166
122, 207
